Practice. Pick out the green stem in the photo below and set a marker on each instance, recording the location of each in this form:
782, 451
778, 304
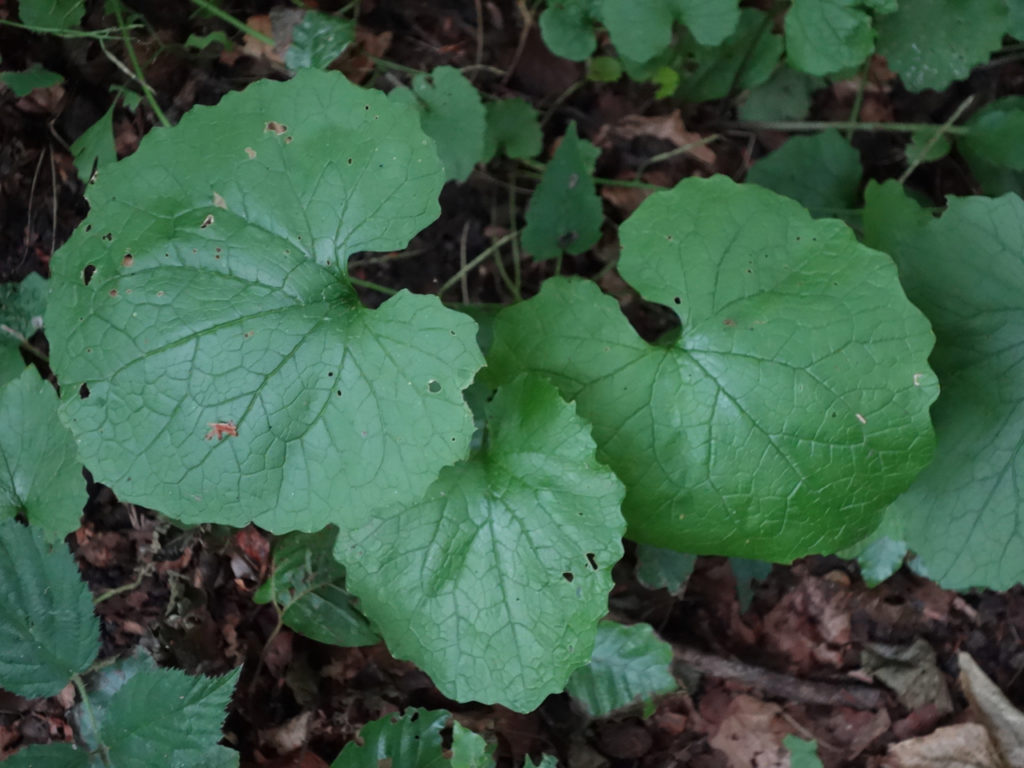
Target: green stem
394, 65
682, 150
241, 26
858, 99
477, 260
91, 34
813, 126
372, 286
938, 134
146, 90
101, 747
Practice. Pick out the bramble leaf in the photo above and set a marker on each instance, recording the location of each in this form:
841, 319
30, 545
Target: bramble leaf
966, 272
504, 567
452, 114
40, 476
309, 587
629, 663
564, 213
317, 40
48, 631
826, 36
931, 43
409, 739
791, 408
821, 172
214, 360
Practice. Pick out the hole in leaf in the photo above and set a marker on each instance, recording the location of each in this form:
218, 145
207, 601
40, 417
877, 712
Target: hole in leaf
108, 237
113, 291
677, 300
276, 127
128, 260
592, 560
83, 391
330, 373
207, 221
434, 386
350, 161
568, 577
339, 393
87, 273
88, 227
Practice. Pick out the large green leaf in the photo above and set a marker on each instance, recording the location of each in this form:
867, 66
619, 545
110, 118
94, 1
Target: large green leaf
504, 568
821, 172
308, 586
564, 213
826, 36
709, 23
639, 31
567, 28
40, 476
208, 285
48, 631
931, 43
787, 96
54, 755
630, 663
964, 516
452, 115
995, 133
789, 411
410, 739
992, 176
52, 14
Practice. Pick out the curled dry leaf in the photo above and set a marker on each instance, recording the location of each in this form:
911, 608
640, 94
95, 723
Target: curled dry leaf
966, 745
667, 127
1004, 721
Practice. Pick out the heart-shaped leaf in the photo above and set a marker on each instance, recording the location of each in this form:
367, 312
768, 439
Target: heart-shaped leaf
214, 360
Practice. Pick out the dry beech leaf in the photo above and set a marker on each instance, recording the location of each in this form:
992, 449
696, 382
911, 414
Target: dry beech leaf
967, 745
666, 127
1004, 721
911, 672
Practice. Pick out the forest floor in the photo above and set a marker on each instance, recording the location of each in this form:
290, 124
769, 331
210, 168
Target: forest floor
789, 653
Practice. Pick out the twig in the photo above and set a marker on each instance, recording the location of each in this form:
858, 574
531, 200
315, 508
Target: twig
477, 260
942, 130
776, 684
478, 6
858, 98
682, 150
523, 35
813, 126
139, 76
241, 26
464, 280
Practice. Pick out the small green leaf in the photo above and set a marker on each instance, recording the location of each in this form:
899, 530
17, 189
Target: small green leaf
789, 410
787, 96
993, 178
202, 42
709, 23
931, 43
604, 69
667, 80
208, 286
821, 172
21, 308
452, 114
995, 133
23, 83
309, 587
880, 556
747, 573
639, 31
48, 631
52, 15
924, 147
470, 750
95, 147
802, 754
410, 739
744, 60
964, 515
658, 568
53, 755
826, 36
317, 40
629, 663
41, 477
567, 28
504, 568
165, 717
564, 213
513, 127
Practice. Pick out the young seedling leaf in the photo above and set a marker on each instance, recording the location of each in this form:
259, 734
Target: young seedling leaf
791, 408
821, 172
802, 753
410, 739
54, 755
566, 27
308, 585
48, 631
21, 309
40, 476
786, 96
826, 36
317, 40
36, 76
659, 568
995, 133
214, 360
165, 717
931, 43
639, 31
709, 23
95, 147
513, 126
965, 271
52, 15
629, 664
564, 213
452, 114
493, 584
746, 59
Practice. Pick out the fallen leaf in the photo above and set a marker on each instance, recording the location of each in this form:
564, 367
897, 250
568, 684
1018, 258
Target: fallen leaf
670, 128
911, 672
751, 734
967, 745
1004, 721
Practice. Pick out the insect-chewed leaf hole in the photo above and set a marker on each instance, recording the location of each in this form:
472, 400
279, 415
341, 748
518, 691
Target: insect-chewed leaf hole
592, 560
88, 272
434, 386
83, 391
568, 577
128, 260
